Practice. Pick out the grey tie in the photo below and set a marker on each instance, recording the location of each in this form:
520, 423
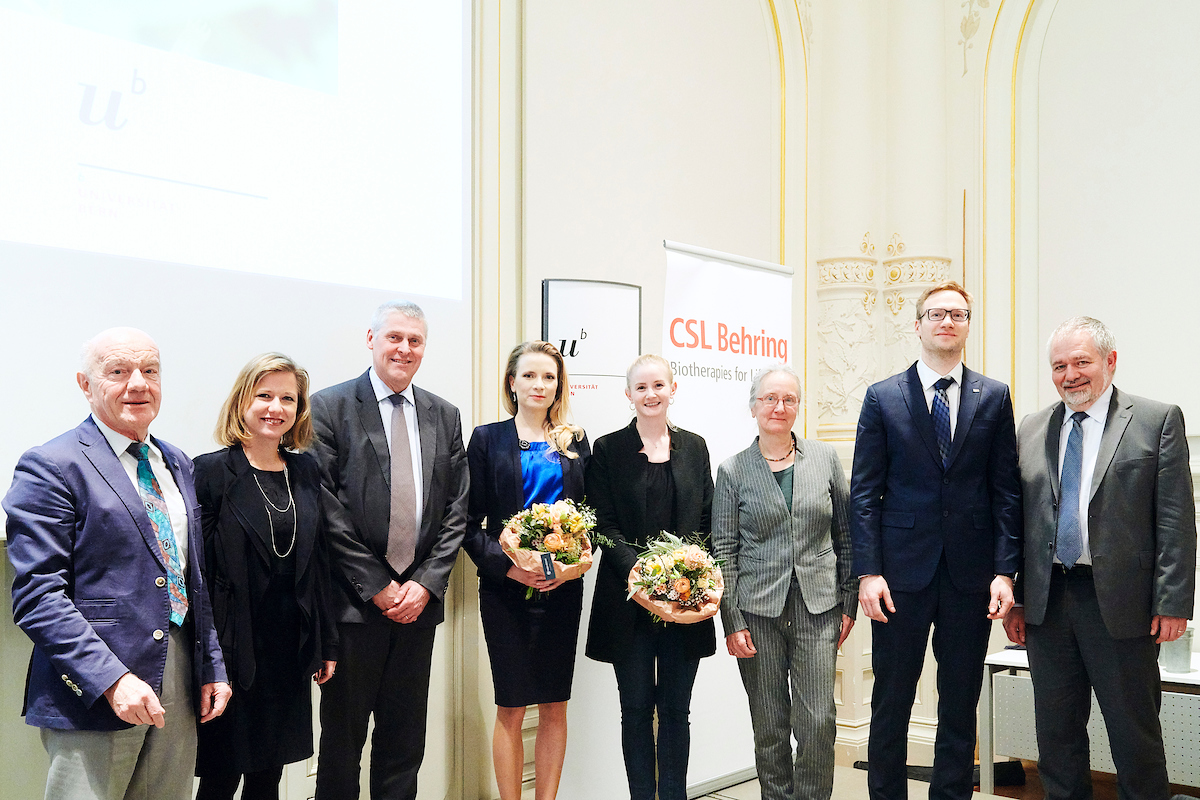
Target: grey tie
402, 524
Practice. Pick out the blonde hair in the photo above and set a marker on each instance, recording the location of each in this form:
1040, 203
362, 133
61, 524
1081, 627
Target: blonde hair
944, 286
231, 424
643, 360
559, 432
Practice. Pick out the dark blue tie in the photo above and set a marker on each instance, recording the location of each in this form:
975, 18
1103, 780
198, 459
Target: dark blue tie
941, 417
1070, 533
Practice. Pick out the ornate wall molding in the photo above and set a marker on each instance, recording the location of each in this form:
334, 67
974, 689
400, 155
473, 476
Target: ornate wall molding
834, 271
899, 271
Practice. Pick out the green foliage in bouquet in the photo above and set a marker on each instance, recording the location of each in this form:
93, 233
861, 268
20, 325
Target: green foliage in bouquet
676, 570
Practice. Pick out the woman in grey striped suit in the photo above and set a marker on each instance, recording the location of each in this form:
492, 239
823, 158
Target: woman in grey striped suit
781, 525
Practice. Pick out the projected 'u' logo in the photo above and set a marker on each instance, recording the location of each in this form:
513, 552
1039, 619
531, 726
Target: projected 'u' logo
110, 115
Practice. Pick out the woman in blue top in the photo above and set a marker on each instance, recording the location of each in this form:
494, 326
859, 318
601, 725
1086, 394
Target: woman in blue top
535, 457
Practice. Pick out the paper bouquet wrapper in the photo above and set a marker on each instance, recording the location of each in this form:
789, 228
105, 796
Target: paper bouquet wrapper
532, 559
670, 610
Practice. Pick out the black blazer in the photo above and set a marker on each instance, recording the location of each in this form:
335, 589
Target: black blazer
237, 555
351, 448
497, 492
616, 484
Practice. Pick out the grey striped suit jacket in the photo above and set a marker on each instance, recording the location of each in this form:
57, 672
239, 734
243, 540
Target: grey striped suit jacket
763, 542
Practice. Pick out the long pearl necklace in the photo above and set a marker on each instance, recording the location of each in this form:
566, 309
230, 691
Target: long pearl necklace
291, 505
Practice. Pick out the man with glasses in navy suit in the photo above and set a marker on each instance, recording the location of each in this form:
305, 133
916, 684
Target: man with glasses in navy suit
935, 516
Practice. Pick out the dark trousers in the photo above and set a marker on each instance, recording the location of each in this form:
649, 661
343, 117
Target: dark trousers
383, 669
656, 675
263, 785
960, 637
1070, 654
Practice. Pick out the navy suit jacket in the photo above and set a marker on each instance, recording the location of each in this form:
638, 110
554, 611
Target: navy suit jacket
498, 492
907, 510
90, 587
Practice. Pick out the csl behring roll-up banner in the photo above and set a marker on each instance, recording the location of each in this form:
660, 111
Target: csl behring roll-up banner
724, 317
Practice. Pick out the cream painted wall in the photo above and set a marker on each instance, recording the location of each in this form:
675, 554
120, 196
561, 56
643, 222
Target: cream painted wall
643, 122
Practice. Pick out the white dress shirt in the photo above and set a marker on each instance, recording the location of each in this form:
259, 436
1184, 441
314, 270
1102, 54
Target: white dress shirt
384, 395
929, 377
176, 508
1093, 431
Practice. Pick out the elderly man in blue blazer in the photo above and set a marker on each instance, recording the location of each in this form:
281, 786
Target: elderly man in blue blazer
935, 515
104, 537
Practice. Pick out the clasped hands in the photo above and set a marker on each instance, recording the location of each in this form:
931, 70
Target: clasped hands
402, 603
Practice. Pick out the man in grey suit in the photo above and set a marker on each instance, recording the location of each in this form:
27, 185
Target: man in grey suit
1109, 564
394, 492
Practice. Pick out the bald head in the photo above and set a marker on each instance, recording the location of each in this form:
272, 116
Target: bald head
120, 378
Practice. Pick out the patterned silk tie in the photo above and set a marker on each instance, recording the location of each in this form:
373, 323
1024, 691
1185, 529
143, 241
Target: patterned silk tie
160, 520
402, 524
1070, 532
941, 417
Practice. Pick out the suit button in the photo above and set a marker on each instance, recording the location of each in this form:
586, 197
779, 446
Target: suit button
158, 635
66, 679
78, 692
946, 481
945, 513
160, 581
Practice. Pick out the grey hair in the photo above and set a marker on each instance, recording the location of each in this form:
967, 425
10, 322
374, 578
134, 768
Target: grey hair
405, 307
771, 369
1102, 337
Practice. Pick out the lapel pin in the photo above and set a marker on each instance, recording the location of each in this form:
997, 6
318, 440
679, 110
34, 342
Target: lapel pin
976, 391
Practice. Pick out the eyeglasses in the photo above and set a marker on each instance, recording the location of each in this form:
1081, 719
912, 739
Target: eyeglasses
939, 314
772, 400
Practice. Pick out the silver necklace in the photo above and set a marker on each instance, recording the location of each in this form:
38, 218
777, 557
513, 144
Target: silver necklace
291, 505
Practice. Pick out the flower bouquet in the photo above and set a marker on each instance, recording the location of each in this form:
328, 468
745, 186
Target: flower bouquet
551, 538
677, 580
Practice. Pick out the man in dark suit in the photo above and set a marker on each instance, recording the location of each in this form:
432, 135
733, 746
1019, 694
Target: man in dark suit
394, 491
104, 537
936, 523
1110, 565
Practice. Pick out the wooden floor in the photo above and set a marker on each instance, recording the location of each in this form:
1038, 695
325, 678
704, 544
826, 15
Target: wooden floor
851, 784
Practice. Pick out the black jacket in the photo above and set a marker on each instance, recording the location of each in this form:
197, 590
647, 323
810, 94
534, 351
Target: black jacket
616, 488
237, 557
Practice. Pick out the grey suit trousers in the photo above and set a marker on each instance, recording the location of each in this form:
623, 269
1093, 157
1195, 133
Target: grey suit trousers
790, 684
138, 763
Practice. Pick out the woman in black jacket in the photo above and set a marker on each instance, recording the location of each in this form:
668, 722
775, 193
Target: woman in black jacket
268, 575
642, 480
534, 457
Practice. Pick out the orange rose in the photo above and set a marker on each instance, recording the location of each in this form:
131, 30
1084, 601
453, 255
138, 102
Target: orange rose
684, 587
554, 542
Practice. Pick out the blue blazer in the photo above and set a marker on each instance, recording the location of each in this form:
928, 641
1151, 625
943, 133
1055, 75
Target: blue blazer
498, 492
907, 510
89, 587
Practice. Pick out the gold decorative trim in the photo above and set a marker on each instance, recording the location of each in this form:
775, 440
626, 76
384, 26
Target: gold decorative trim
895, 301
895, 246
867, 247
833, 271
868, 301
915, 270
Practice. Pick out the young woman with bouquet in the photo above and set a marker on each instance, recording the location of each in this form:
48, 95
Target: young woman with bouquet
644, 479
534, 457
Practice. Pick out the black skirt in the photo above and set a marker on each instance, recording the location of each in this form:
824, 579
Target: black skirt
268, 724
531, 643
